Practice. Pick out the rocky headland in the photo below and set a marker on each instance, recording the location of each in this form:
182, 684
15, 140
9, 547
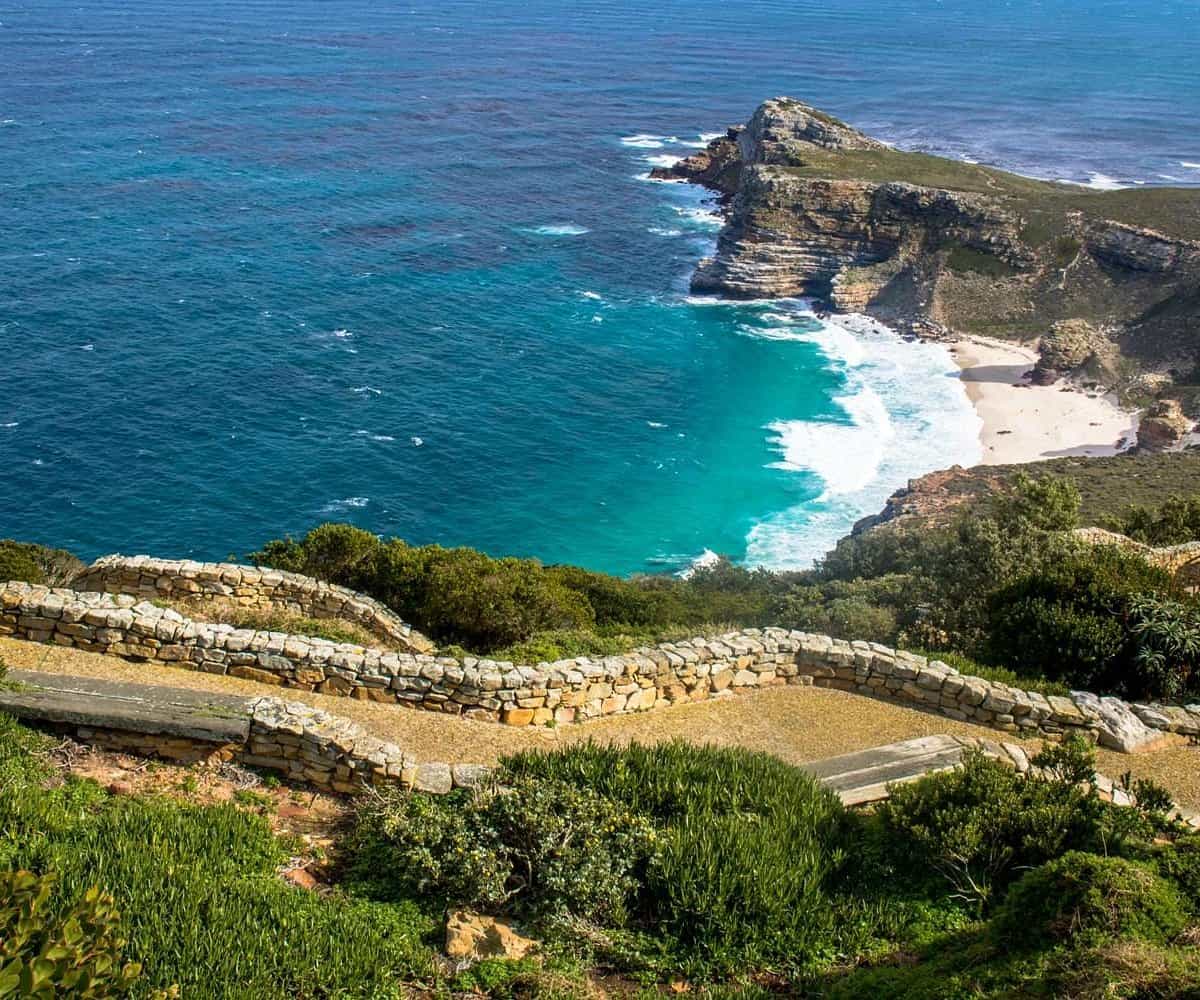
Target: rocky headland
1109, 281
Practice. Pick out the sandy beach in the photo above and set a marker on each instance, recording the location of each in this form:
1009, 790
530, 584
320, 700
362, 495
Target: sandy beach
1025, 423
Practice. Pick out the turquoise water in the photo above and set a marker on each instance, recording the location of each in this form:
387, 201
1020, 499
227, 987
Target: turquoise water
267, 264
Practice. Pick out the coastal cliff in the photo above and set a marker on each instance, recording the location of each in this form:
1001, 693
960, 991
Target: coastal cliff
815, 208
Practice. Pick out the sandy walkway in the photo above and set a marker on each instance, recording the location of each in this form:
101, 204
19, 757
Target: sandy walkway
1024, 423
796, 724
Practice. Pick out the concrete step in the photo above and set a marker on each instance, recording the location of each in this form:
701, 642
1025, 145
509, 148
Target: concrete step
864, 776
139, 708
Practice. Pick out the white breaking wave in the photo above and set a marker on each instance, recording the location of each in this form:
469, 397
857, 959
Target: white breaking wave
12, 423
565, 229
666, 160
374, 437
367, 390
905, 413
647, 141
1189, 164
1097, 182
845, 456
655, 424
592, 295
705, 559
660, 231
700, 216
349, 503
416, 441
342, 334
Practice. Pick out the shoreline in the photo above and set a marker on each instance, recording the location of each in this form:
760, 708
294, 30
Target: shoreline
1024, 423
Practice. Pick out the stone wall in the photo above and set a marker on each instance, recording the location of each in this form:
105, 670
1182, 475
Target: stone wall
576, 689
250, 587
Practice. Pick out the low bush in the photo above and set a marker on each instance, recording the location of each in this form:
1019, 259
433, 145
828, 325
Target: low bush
1073, 620
1085, 897
533, 848
461, 596
32, 563
746, 845
723, 854
1175, 521
1179, 863
981, 825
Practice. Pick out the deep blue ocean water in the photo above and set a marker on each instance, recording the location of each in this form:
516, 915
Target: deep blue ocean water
266, 264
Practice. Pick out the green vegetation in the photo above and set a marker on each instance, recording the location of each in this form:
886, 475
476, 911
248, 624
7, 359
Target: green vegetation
721, 872
1086, 896
200, 904
1043, 204
78, 954
461, 596
31, 563
264, 620
1175, 521
1005, 584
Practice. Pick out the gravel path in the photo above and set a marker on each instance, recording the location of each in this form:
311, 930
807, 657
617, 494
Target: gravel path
796, 724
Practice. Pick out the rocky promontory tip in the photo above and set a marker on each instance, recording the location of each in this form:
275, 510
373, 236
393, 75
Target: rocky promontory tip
816, 208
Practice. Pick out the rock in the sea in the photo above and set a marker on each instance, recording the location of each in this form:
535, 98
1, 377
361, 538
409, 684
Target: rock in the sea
1163, 426
1069, 345
473, 937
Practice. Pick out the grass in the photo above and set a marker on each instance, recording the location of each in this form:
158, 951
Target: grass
1000, 675
1107, 486
1044, 204
262, 620
196, 886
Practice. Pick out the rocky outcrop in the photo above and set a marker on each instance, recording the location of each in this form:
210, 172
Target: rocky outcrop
1163, 426
1067, 348
816, 208
799, 236
474, 937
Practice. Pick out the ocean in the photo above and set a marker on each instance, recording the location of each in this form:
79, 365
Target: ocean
266, 264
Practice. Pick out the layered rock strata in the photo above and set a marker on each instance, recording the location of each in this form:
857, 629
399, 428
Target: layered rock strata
815, 208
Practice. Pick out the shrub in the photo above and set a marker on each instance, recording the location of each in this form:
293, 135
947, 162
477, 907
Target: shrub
41, 955
1085, 897
746, 846
535, 848
978, 826
1179, 862
1070, 619
38, 564
1176, 521
1165, 653
484, 603
862, 609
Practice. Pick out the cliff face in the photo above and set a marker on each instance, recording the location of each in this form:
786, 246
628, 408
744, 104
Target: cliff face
816, 208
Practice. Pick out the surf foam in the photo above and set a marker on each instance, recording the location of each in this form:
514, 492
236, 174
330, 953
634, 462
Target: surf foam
905, 413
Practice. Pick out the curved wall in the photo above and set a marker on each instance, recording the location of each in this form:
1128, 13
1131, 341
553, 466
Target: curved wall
250, 587
573, 690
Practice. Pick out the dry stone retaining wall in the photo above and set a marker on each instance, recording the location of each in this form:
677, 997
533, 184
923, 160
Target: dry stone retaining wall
576, 689
248, 586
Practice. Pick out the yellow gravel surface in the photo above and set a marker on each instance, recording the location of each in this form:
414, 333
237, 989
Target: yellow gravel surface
796, 724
